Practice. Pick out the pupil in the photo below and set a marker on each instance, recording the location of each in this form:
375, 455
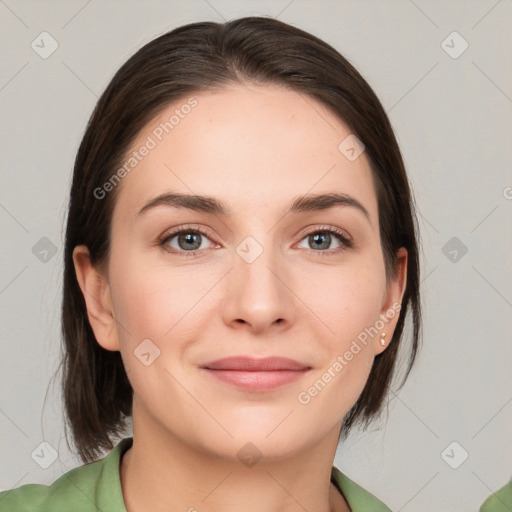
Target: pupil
189, 239
325, 237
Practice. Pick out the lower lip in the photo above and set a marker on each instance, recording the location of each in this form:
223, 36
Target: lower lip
258, 381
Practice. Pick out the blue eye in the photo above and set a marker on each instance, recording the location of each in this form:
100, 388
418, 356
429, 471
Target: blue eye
191, 241
322, 238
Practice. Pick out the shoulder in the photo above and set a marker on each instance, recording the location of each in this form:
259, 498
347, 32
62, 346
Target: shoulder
84, 488
75, 488
500, 501
358, 498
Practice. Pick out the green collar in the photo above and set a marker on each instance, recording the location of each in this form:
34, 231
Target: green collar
99, 483
499, 501
358, 498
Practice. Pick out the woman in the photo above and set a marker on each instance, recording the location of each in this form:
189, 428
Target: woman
241, 254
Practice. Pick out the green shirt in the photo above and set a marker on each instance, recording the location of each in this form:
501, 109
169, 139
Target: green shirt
97, 486
500, 501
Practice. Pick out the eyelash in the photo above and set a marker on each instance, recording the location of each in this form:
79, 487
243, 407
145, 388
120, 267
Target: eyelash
339, 234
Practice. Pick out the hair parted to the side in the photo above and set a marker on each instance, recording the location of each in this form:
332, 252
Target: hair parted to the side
191, 58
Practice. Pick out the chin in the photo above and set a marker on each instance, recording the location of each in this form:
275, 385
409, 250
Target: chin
269, 441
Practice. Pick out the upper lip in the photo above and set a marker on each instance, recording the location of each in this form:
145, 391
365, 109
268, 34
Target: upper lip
244, 363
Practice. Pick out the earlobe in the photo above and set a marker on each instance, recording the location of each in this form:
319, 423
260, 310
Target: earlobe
390, 312
96, 291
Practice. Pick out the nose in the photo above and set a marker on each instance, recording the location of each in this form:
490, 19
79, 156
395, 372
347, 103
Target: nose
258, 297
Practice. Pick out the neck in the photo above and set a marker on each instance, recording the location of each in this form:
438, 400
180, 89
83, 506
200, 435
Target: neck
160, 472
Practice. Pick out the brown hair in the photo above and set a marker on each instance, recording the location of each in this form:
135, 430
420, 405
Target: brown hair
198, 56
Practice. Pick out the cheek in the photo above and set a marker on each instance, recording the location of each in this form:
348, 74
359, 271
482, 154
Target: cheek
348, 299
163, 304
349, 304
155, 304
151, 301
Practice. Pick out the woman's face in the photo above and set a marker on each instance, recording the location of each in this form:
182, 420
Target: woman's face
259, 281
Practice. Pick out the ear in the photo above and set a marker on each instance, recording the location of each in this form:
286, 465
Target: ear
392, 303
96, 291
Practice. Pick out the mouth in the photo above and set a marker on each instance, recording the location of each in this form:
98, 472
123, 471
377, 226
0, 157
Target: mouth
256, 375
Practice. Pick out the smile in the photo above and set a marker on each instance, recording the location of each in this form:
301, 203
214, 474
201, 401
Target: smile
256, 375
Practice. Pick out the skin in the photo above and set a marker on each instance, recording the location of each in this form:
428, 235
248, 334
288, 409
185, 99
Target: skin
256, 148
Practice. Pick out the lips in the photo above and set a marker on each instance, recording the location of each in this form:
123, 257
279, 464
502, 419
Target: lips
256, 375
249, 364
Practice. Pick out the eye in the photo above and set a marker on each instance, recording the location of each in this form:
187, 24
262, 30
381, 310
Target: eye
185, 241
320, 240
188, 241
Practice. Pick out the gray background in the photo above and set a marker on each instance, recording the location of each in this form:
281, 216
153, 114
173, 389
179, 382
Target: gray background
452, 119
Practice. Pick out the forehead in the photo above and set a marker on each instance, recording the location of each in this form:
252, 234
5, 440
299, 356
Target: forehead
251, 146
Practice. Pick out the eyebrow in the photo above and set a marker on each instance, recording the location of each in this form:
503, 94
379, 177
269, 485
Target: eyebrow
208, 204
